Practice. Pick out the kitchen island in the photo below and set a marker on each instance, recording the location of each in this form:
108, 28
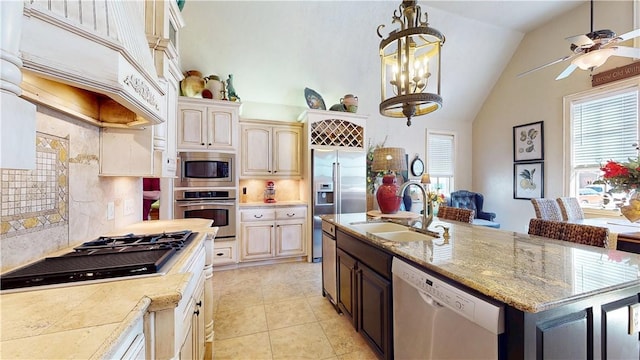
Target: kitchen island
559, 297
121, 317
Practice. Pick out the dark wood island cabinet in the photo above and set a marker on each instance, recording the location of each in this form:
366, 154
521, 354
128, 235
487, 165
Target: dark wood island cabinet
364, 291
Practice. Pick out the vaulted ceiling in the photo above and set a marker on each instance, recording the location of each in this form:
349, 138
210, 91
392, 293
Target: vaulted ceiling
276, 48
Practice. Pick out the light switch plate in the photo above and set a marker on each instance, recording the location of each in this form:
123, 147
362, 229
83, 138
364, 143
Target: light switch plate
128, 206
111, 210
634, 318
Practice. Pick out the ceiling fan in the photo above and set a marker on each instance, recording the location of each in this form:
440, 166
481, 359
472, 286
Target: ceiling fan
593, 49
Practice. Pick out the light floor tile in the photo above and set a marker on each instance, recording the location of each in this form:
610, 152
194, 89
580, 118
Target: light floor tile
238, 322
280, 292
343, 336
254, 346
322, 308
239, 297
288, 313
300, 342
277, 311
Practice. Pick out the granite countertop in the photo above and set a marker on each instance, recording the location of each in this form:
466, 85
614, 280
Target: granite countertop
75, 321
529, 273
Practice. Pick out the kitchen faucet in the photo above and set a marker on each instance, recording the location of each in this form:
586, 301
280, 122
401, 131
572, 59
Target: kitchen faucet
426, 219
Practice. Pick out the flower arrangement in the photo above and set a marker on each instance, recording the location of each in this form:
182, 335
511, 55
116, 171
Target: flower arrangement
435, 197
621, 176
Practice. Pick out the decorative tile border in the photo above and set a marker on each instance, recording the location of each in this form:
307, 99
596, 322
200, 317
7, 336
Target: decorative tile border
33, 200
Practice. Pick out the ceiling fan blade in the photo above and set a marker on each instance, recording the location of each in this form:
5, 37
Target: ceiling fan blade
580, 40
627, 52
629, 35
545, 65
567, 72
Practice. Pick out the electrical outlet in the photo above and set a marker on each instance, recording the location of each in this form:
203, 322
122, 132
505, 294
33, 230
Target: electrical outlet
111, 210
634, 318
128, 207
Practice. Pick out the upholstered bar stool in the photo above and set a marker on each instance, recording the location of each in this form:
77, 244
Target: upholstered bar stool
570, 208
547, 209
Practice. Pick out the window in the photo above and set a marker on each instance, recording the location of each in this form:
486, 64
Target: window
440, 160
603, 125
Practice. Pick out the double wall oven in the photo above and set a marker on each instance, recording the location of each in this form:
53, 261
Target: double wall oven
206, 188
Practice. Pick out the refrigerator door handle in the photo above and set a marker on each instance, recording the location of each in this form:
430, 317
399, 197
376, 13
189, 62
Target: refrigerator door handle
336, 184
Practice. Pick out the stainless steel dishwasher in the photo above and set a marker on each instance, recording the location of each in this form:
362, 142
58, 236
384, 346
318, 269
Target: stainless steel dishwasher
329, 270
435, 320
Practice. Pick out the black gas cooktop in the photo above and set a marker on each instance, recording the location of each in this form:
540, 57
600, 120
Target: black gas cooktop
103, 258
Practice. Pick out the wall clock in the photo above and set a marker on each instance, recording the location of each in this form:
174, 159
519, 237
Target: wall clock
417, 166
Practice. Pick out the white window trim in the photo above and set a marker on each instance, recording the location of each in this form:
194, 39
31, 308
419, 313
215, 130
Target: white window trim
566, 124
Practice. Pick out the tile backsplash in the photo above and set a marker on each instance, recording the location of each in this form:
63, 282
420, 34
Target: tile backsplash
63, 201
36, 199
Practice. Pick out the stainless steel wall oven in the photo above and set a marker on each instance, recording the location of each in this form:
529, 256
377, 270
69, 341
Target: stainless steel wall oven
217, 205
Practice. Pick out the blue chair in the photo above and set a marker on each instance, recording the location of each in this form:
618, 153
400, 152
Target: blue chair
474, 201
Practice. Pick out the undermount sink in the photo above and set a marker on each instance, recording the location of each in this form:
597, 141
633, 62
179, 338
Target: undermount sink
404, 236
378, 227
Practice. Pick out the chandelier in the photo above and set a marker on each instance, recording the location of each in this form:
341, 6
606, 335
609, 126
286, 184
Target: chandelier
410, 65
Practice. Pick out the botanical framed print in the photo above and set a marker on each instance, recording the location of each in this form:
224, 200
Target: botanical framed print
528, 142
528, 180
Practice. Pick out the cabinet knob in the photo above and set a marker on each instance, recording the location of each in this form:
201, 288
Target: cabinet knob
199, 303
197, 312
209, 144
202, 144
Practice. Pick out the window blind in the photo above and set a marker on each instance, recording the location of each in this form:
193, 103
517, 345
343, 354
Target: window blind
440, 154
605, 129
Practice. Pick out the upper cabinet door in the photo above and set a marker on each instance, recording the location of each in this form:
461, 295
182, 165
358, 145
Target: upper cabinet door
205, 124
286, 151
256, 150
192, 127
220, 128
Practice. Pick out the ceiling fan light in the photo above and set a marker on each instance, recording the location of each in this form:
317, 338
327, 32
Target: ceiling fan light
593, 59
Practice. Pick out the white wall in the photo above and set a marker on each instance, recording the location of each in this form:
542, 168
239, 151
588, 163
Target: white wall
535, 97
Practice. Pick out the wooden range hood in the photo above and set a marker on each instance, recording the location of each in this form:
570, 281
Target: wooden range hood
91, 60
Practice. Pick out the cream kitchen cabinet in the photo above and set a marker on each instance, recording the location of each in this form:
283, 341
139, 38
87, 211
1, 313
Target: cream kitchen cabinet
270, 149
272, 232
224, 253
205, 124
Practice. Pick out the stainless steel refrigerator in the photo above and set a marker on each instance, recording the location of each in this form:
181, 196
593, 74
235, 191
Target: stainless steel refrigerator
339, 187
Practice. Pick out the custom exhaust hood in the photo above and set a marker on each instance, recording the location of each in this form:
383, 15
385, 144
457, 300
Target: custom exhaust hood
91, 60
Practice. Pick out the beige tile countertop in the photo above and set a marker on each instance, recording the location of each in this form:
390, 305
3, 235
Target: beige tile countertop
85, 321
529, 273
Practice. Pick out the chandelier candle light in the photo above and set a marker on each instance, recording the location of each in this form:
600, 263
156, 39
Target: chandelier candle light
410, 65
390, 160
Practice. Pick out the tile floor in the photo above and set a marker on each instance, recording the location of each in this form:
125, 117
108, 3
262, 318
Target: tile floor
278, 312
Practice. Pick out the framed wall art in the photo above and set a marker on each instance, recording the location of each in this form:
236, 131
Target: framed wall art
528, 180
528, 142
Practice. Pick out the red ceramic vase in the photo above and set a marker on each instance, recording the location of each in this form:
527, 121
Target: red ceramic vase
388, 201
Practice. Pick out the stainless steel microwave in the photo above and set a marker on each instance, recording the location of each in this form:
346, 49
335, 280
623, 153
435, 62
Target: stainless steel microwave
205, 169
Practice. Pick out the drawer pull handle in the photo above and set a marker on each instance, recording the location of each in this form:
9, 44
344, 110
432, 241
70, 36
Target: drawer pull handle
220, 254
291, 215
257, 216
